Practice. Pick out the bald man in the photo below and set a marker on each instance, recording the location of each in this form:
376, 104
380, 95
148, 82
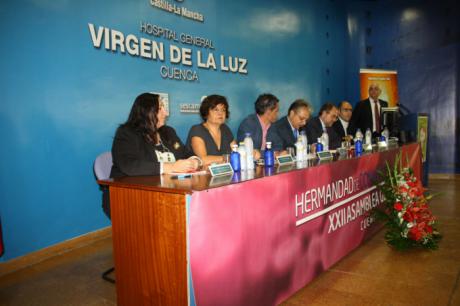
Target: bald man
341, 125
367, 113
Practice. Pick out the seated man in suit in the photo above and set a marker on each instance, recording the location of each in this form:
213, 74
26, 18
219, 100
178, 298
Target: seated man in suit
323, 123
284, 132
267, 109
341, 125
367, 113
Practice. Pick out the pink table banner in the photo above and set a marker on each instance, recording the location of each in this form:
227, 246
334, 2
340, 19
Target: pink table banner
258, 242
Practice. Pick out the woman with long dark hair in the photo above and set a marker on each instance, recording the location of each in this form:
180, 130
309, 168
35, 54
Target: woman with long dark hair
144, 145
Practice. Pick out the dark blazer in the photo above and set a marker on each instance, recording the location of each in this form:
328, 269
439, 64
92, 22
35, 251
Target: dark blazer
280, 134
133, 156
362, 116
314, 130
251, 124
339, 128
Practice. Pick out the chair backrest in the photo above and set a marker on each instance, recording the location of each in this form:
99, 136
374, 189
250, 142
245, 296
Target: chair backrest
103, 165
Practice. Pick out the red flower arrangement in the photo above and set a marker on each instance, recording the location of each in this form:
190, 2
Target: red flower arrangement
408, 219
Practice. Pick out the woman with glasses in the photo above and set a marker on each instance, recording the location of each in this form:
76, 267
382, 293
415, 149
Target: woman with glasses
212, 138
144, 145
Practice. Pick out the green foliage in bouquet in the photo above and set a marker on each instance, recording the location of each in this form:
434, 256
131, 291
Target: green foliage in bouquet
408, 220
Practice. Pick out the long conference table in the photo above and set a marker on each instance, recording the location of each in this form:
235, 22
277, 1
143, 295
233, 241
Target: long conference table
253, 238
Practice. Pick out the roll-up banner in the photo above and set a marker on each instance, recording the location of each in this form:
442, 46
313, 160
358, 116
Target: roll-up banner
387, 81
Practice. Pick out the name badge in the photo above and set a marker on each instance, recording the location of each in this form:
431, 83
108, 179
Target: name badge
285, 159
165, 157
221, 169
325, 155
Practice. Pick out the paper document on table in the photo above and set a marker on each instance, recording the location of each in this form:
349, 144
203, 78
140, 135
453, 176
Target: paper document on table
188, 173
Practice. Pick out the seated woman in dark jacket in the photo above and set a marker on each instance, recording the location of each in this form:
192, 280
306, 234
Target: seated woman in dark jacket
144, 145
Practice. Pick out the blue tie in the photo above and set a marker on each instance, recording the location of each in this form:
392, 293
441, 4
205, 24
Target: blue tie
295, 133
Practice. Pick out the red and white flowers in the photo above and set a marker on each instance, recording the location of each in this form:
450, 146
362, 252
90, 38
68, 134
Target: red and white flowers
407, 217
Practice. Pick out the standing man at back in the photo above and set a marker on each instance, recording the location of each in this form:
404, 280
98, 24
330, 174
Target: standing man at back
284, 132
267, 109
367, 113
341, 125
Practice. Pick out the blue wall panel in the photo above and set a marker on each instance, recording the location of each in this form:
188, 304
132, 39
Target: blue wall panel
62, 99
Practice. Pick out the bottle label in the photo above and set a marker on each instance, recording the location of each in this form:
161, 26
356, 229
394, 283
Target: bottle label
319, 147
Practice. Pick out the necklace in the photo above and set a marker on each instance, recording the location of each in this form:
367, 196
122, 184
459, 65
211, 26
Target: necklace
161, 145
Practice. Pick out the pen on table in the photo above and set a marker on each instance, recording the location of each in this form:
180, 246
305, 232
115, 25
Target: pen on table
181, 176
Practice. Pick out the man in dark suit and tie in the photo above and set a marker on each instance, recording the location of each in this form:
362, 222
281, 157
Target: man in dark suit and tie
367, 113
341, 125
323, 123
284, 132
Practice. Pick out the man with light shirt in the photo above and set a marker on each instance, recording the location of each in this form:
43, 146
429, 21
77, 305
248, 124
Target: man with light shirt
341, 125
284, 132
267, 109
367, 113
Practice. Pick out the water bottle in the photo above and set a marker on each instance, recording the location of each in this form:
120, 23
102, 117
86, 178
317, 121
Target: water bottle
268, 171
269, 155
358, 135
368, 137
300, 164
299, 150
325, 141
358, 147
243, 175
235, 160
243, 159
249, 145
236, 178
319, 146
303, 136
250, 174
386, 134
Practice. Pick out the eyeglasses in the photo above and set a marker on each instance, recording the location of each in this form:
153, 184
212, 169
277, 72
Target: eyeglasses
302, 118
218, 110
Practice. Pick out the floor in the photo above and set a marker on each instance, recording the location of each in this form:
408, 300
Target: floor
373, 274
